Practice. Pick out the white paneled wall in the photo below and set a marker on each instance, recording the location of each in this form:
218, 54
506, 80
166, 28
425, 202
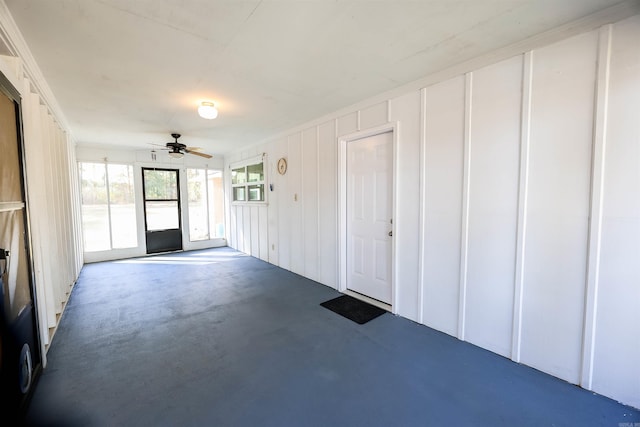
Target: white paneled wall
405, 110
310, 207
616, 333
494, 158
52, 194
561, 118
443, 148
517, 203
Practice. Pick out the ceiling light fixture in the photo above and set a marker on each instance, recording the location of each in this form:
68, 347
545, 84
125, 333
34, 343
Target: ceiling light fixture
207, 110
175, 154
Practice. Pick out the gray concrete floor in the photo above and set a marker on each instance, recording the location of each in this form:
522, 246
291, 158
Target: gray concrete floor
217, 338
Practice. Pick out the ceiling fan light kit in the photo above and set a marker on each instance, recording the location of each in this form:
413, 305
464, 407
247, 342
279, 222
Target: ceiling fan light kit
207, 110
177, 150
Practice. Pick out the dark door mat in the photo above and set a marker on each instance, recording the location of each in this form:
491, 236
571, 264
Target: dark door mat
353, 309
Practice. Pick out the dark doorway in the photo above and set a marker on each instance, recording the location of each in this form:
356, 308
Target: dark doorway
19, 342
162, 218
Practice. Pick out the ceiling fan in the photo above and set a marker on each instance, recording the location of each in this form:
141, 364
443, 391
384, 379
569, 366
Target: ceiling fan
177, 149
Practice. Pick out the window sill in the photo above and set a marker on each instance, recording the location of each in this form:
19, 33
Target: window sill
250, 203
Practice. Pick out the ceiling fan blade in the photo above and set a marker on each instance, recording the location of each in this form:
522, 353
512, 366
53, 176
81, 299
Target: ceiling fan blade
205, 155
193, 148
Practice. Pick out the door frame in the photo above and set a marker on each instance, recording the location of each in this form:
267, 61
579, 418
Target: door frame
180, 229
26, 328
343, 140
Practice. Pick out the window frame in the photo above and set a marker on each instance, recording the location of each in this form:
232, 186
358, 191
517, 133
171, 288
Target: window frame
246, 185
109, 204
210, 227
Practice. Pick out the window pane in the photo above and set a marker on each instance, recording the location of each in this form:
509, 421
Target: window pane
162, 215
196, 191
256, 192
124, 233
238, 176
238, 194
159, 184
95, 214
255, 173
216, 204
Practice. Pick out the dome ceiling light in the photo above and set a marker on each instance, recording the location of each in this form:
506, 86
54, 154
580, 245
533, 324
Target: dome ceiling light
207, 110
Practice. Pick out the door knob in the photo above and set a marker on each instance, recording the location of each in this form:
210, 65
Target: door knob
390, 233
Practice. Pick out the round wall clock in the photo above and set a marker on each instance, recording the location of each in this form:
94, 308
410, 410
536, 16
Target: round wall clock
282, 166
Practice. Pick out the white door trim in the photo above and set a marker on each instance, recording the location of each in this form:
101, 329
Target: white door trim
343, 140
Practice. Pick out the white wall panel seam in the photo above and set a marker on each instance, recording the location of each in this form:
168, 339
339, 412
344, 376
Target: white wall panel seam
336, 212
46, 241
51, 233
318, 245
62, 255
525, 134
34, 174
300, 199
76, 212
423, 198
66, 201
464, 227
288, 204
596, 208
342, 215
73, 204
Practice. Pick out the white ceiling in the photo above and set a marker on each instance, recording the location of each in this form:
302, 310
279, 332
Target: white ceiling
130, 72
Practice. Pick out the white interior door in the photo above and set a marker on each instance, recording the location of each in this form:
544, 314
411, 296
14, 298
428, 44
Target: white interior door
369, 224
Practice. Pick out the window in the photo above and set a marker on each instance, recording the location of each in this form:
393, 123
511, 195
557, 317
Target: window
161, 199
206, 204
247, 182
108, 207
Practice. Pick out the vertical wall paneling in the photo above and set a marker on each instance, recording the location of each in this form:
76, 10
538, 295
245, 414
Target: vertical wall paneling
525, 137
341, 244
233, 224
246, 229
310, 201
423, 197
255, 230
64, 205
595, 216
616, 371
285, 196
516, 206
241, 230
464, 224
53, 206
444, 148
558, 205
405, 116
52, 235
37, 204
49, 247
76, 214
59, 215
295, 201
492, 209
319, 177
263, 227
373, 116
273, 216
347, 124
327, 204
